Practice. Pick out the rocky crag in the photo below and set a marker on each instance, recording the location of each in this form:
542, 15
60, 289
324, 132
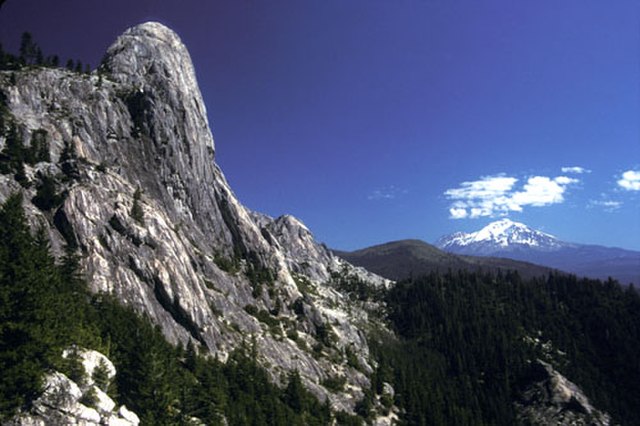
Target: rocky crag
128, 177
550, 398
81, 401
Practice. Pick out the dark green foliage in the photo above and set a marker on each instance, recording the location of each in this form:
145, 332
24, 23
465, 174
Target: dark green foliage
44, 309
100, 376
71, 365
298, 307
41, 309
325, 334
355, 288
47, 196
13, 153
334, 383
90, 398
164, 385
136, 210
39, 149
466, 344
69, 161
30, 53
5, 115
259, 275
230, 265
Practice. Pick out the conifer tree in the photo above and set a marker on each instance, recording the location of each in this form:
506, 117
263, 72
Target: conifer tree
136, 209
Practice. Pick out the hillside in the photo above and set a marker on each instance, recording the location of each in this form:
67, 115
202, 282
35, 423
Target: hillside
406, 258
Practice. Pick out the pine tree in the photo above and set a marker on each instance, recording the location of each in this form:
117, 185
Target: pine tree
136, 210
100, 375
46, 197
23, 354
69, 161
28, 49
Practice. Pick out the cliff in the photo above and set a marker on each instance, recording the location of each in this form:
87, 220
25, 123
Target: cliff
131, 161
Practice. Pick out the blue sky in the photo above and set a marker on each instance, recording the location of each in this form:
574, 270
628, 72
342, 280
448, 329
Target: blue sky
380, 120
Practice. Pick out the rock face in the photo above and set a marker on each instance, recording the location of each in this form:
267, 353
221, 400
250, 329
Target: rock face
133, 158
65, 402
552, 399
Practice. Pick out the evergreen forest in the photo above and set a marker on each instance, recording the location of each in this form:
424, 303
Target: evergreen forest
463, 347
467, 342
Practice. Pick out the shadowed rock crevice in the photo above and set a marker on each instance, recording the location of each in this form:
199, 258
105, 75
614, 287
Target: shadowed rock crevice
172, 306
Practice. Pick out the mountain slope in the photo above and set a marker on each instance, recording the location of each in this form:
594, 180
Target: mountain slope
517, 241
402, 259
131, 182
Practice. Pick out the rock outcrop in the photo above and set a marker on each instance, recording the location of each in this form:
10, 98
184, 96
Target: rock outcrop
552, 399
65, 402
133, 161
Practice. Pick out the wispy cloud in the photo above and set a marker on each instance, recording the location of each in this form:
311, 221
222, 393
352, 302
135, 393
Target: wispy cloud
498, 195
386, 193
575, 169
630, 180
607, 205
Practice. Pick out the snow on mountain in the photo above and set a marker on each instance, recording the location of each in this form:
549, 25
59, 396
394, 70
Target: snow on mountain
513, 240
501, 235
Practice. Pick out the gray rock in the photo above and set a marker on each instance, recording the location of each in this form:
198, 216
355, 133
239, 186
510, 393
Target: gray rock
61, 403
195, 257
553, 399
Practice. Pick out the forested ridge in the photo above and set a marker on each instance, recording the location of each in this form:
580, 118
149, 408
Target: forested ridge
467, 342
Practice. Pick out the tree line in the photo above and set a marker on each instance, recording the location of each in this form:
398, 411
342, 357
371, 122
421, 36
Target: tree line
30, 54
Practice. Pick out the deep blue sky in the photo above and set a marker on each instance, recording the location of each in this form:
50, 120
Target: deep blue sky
378, 120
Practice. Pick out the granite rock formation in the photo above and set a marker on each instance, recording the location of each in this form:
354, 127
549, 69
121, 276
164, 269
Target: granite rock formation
133, 161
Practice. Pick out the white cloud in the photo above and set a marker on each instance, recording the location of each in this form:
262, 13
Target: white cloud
630, 180
458, 213
575, 169
496, 195
564, 180
541, 191
386, 193
486, 188
607, 205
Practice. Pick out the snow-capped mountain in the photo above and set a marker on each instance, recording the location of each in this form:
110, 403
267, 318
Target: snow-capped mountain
501, 235
509, 239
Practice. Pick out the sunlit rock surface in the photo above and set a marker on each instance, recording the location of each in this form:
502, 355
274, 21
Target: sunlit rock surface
202, 266
65, 402
551, 399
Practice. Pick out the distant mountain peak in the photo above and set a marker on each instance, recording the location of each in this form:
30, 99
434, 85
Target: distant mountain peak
514, 240
500, 235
